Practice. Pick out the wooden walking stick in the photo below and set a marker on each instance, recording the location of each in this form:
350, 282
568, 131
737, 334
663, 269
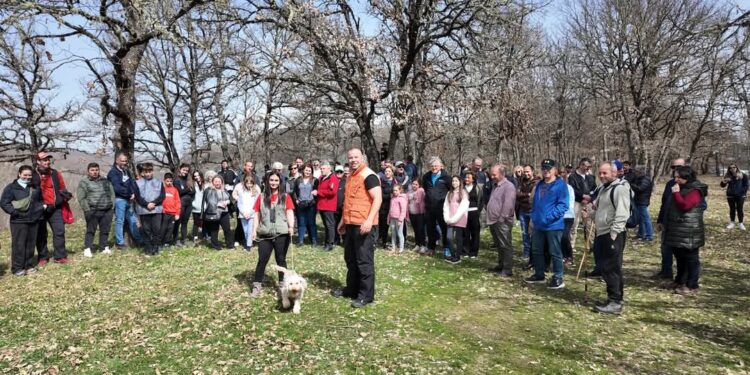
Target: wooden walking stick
587, 236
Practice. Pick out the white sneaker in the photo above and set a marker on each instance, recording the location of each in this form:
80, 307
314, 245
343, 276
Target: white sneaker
107, 250
236, 244
742, 226
87, 253
416, 249
731, 225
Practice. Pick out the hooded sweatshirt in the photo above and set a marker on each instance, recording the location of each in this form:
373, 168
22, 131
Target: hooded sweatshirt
549, 205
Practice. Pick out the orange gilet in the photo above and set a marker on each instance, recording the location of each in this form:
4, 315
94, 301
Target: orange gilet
357, 201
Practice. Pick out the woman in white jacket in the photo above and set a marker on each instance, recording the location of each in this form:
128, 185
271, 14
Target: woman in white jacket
245, 194
455, 213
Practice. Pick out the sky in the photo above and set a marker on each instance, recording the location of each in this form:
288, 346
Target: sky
72, 78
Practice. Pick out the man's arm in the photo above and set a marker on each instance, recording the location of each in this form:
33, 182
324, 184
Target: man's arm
377, 199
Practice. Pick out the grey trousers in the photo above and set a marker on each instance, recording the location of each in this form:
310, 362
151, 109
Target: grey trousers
501, 235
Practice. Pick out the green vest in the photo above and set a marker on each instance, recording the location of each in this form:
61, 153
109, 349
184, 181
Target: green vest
273, 221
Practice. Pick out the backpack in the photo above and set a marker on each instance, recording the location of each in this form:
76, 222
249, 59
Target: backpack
634, 219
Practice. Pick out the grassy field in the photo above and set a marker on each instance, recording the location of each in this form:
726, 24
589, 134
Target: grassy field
189, 311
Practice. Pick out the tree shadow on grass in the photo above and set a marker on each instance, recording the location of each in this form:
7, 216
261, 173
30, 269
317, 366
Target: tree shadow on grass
322, 281
4, 268
246, 278
724, 336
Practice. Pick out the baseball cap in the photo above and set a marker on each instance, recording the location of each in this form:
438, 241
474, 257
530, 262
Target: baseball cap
568, 166
41, 155
399, 164
548, 164
339, 168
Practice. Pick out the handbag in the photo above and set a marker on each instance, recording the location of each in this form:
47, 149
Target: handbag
24, 203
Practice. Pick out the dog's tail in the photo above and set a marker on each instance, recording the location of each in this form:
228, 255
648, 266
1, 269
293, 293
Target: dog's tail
281, 269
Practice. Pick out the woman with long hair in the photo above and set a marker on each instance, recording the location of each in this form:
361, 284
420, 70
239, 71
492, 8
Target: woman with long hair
305, 197
245, 194
196, 183
736, 184
273, 227
455, 213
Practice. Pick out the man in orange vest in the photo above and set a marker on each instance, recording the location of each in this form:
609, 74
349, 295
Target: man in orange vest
362, 199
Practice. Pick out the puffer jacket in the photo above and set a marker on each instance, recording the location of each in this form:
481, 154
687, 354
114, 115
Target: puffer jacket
737, 186
14, 192
685, 229
642, 189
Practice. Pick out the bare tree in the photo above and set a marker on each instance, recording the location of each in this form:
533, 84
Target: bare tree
29, 122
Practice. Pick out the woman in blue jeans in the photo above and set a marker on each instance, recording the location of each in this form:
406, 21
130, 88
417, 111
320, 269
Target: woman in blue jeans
305, 194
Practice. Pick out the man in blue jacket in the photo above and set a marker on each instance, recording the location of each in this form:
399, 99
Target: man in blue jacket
124, 186
548, 208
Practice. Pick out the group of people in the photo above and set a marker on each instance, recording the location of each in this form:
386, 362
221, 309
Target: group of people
359, 207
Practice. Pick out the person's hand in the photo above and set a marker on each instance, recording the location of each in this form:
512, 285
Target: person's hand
247, 216
255, 234
177, 217
659, 227
222, 204
365, 227
341, 229
151, 206
132, 197
400, 222
291, 232
676, 188
314, 193
613, 235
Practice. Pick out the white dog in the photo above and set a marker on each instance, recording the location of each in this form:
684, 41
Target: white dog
292, 288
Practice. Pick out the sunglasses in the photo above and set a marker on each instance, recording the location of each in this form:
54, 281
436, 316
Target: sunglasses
339, 171
673, 166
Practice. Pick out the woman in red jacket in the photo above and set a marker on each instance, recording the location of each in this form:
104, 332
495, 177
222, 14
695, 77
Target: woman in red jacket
328, 187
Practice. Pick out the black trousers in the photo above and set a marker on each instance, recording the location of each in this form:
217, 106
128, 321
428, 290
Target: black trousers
471, 237
688, 267
198, 226
279, 246
151, 232
383, 228
359, 255
101, 219
181, 226
565, 245
417, 224
169, 228
23, 239
736, 208
337, 238
55, 221
610, 258
212, 227
329, 224
433, 219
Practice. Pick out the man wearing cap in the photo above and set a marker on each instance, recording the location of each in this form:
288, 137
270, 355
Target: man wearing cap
360, 216
583, 185
54, 194
401, 177
124, 185
548, 209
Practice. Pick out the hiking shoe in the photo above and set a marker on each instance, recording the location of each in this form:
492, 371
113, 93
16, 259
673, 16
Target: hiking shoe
533, 279
453, 260
685, 291
32, 270
742, 226
20, 273
107, 251
594, 274
505, 275
416, 249
556, 283
662, 275
360, 303
601, 303
341, 293
610, 308
42, 262
730, 225
87, 253
257, 289
62, 260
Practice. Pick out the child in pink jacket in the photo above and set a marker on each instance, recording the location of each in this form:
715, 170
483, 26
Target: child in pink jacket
397, 216
416, 216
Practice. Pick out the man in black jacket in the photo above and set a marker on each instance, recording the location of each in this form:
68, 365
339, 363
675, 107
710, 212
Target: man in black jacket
583, 183
642, 187
186, 201
436, 184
